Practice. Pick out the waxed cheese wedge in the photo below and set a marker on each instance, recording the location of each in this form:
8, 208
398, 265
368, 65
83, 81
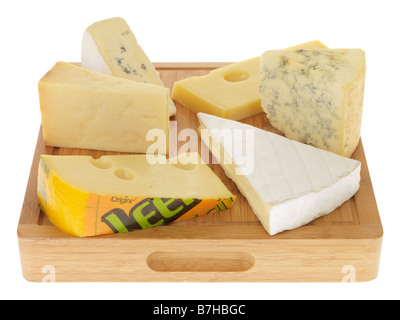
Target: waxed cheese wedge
230, 92
83, 196
315, 96
109, 46
85, 109
287, 183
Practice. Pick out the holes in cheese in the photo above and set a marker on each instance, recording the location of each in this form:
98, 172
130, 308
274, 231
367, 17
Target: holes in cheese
124, 174
182, 166
101, 163
236, 76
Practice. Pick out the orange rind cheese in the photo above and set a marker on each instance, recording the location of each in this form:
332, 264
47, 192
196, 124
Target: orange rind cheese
86, 197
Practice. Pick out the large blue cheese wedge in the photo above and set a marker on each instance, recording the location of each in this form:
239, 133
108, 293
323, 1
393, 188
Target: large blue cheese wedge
287, 183
110, 47
315, 96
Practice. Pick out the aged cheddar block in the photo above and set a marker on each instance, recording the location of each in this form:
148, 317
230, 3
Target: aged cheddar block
315, 96
83, 196
287, 183
89, 110
109, 46
230, 92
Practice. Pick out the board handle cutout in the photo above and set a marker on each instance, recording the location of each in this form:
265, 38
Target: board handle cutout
200, 261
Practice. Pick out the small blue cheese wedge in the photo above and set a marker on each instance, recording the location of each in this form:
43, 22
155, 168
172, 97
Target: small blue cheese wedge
287, 183
110, 47
315, 96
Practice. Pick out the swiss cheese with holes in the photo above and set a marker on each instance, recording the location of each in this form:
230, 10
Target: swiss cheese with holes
83, 196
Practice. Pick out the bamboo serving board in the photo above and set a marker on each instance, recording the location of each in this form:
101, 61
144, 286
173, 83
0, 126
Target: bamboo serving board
229, 246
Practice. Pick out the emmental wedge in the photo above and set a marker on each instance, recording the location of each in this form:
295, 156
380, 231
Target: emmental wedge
83, 196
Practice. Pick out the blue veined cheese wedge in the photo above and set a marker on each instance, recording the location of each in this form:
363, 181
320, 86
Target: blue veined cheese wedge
315, 96
287, 183
109, 46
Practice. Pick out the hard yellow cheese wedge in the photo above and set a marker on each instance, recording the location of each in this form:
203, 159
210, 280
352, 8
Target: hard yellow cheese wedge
90, 110
83, 196
230, 92
109, 46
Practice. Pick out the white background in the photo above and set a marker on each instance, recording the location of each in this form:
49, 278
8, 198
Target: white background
36, 34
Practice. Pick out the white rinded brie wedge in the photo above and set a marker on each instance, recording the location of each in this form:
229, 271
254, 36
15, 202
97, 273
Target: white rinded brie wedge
287, 183
110, 47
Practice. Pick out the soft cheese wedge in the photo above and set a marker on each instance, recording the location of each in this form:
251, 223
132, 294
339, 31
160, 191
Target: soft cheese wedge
85, 109
315, 96
83, 196
230, 92
290, 183
110, 47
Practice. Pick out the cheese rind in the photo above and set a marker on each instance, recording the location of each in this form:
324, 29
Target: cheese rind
291, 183
109, 46
84, 197
88, 110
230, 92
315, 96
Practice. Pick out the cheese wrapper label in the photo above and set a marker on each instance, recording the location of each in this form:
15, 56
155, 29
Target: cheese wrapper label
115, 214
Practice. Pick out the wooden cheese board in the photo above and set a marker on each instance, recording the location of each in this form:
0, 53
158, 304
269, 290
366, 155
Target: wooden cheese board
230, 246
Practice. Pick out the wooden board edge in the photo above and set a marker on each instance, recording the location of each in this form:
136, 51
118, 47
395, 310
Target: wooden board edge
32, 179
269, 261
242, 232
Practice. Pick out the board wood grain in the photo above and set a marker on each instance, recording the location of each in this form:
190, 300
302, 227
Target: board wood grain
227, 246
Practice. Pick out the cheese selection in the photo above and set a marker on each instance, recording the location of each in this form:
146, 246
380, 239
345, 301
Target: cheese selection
315, 96
85, 109
231, 91
291, 183
84, 196
111, 102
109, 46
